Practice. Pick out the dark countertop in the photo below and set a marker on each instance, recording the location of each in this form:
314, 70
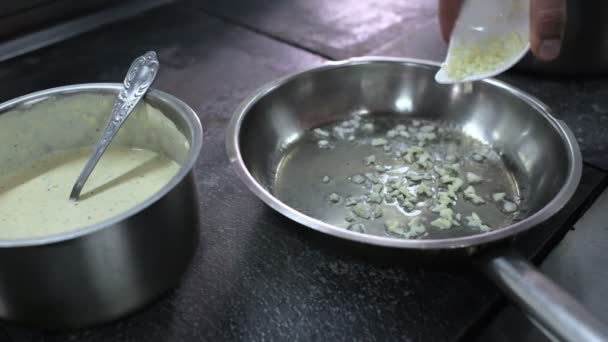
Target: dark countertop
256, 275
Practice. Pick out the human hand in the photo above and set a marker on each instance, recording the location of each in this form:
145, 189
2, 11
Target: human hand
547, 22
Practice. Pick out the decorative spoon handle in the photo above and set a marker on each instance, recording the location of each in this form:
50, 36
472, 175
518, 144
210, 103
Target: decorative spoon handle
140, 76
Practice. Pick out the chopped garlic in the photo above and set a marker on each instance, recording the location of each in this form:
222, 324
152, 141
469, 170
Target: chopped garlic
416, 227
393, 184
452, 194
416, 149
437, 208
474, 221
473, 178
442, 223
379, 142
391, 134
350, 218
393, 226
444, 199
416, 123
387, 148
447, 179
340, 132
412, 152
447, 213
509, 207
399, 128
389, 198
477, 57
477, 157
325, 179
440, 171
407, 204
446, 218
378, 212
320, 133
455, 186
349, 202
427, 128
454, 167
423, 160
357, 227
404, 134
416, 177
372, 178
362, 210
335, 198
358, 179
499, 196
406, 192
369, 160
375, 198
380, 168
424, 189
399, 152
424, 137
367, 127
469, 193
323, 144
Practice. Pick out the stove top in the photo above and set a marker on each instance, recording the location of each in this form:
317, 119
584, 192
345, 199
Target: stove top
257, 275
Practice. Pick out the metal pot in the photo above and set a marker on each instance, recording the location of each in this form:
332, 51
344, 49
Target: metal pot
585, 44
104, 271
268, 147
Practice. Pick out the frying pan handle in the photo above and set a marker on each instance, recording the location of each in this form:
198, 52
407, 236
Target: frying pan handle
552, 309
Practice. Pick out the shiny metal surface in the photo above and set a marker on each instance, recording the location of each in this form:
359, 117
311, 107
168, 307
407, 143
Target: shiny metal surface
540, 153
573, 264
139, 78
554, 310
585, 44
305, 162
104, 271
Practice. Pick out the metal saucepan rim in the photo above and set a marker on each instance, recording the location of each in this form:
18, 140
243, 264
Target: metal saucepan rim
187, 113
562, 197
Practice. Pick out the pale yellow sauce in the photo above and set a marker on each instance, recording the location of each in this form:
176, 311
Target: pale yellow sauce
34, 198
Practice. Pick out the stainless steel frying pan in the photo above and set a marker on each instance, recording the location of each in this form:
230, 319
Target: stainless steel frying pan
537, 159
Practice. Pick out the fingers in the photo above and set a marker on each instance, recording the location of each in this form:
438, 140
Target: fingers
448, 12
547, 22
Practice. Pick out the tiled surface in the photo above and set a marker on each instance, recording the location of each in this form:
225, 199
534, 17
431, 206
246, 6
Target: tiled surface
577, 264
257, 275
336, 29
422, 41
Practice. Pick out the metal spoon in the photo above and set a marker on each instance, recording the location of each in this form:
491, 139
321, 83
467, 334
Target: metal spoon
140, 76
489, 37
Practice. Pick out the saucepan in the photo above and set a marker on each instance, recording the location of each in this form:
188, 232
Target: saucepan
108, 269
325, 147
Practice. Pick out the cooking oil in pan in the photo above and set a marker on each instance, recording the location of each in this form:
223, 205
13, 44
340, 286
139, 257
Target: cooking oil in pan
389, 176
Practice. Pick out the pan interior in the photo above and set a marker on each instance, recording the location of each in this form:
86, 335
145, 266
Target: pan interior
308, 175
529, 158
